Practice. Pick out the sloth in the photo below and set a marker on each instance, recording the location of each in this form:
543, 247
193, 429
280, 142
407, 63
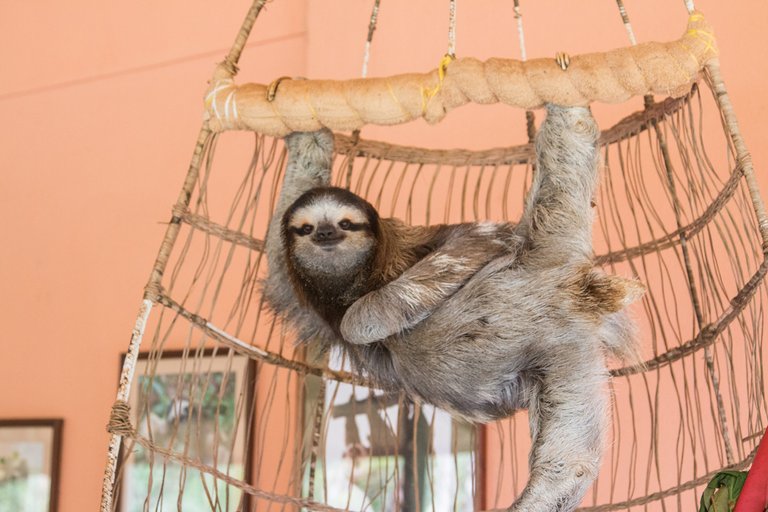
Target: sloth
480, 319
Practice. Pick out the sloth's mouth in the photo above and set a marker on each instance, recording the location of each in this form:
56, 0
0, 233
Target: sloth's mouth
328, 244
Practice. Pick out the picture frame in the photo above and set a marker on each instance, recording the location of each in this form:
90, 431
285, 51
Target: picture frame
164, 392
30, 464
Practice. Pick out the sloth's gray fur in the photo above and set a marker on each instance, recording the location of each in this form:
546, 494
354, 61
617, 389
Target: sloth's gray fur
526, 326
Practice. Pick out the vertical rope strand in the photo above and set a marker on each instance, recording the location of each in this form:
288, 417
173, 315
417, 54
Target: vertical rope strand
366, 58
520, 32
627, 24
530, 118
452, 28
530, 125
371, 30
689, 5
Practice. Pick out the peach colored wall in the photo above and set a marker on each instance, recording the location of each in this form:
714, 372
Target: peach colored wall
101, 103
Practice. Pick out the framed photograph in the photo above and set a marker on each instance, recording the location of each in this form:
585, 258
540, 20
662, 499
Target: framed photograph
30, 455
197, 406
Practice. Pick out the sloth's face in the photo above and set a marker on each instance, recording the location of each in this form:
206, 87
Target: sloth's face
330, 237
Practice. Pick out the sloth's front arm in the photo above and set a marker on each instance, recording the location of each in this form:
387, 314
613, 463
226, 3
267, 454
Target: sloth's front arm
310, 155
407, 300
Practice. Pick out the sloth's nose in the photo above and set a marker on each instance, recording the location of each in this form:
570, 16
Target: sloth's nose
325, 231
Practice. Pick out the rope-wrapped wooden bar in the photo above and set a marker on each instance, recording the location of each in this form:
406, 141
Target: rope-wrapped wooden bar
610, 77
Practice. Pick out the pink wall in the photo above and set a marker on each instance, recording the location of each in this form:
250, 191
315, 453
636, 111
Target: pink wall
102, 103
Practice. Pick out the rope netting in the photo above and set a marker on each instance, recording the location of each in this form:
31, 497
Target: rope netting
227, 413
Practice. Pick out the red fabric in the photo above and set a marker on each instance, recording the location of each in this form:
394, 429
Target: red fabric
754, 494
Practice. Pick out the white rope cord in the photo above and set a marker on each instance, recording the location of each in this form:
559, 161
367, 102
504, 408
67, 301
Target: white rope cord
627, 24
452, 28
366, 56
371, 28
530, 118
520, 33
689, 5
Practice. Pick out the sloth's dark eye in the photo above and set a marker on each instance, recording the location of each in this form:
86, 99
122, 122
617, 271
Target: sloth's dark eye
345, 224
306, 229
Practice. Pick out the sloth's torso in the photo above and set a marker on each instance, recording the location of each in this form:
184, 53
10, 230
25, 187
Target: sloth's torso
481, 353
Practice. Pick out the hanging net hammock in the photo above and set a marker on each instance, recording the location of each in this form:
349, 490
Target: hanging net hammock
217, 408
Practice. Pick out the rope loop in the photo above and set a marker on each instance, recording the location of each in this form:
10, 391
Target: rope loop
563, 60
272, 89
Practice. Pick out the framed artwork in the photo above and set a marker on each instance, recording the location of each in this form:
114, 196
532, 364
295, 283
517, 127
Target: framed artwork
199, 406
30, 456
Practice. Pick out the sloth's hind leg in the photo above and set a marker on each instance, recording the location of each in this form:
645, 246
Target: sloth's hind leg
568, 411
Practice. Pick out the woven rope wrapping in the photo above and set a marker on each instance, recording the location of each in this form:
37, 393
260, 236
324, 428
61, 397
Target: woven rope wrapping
120, 420
610, 77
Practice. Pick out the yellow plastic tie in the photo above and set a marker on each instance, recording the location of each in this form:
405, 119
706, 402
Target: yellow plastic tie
429, 92
705, 36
